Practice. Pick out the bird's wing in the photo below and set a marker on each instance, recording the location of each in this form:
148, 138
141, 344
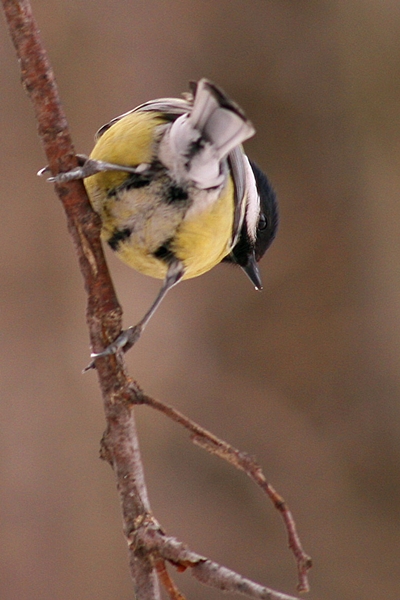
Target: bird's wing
238, 172
171, 108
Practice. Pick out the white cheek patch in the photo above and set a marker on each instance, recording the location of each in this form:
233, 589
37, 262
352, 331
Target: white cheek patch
252, 201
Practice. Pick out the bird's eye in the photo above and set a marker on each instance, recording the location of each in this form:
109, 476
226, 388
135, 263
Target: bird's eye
262, 223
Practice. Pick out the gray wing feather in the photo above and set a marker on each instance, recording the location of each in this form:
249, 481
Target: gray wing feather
238, 172
171, 107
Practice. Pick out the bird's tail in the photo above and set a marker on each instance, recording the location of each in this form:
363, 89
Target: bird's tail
220, 120
200, 140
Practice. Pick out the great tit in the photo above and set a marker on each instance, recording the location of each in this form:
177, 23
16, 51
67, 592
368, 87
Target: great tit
176, 193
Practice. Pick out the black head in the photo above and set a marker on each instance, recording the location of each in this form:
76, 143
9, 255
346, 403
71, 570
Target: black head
251, 246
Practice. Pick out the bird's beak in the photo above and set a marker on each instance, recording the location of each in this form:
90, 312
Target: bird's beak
253, 273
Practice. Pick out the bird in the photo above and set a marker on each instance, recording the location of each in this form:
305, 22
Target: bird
176, 193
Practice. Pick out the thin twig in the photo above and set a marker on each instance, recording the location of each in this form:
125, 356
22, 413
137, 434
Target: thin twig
208, 572
166, 581
246, 463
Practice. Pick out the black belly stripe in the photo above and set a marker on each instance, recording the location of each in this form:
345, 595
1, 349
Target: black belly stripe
165, 253
133, 182
176, 194
136, 181
119, 236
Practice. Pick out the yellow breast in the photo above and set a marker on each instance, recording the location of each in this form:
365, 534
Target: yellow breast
204, 238
200, 238
130, 141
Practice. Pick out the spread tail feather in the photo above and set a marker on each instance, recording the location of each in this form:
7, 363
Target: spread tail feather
200, 140
219, 120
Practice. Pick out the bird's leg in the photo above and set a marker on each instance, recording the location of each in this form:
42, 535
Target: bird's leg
88, 167
130, 336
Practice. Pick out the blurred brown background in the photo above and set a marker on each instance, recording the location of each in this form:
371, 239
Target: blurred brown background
305, 375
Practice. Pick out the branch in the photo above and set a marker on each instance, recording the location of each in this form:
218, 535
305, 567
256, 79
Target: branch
148, 546
103, 311
150, 535
242, 461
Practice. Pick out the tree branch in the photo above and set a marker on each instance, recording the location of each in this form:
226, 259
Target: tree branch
103, 310
150, 535
242, 461
148, 545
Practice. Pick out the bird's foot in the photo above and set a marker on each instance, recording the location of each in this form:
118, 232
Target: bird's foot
123, 343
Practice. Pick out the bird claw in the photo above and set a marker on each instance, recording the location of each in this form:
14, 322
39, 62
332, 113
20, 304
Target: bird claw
123, 343
78, 172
